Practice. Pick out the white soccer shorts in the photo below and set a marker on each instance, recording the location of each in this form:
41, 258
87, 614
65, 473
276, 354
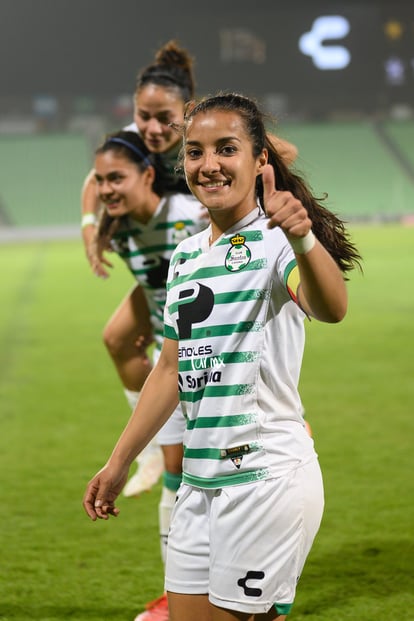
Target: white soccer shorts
173, 430
245, 545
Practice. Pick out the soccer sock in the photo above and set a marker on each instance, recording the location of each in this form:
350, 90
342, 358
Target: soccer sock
169, 491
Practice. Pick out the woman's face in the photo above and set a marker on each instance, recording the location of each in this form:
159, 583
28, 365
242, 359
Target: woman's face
155, 108
219, 164
122, 187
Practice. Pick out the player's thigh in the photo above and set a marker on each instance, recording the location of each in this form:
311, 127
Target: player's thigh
221, 614
189, 607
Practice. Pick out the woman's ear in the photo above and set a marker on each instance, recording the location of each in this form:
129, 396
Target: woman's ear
262, 161
150, 174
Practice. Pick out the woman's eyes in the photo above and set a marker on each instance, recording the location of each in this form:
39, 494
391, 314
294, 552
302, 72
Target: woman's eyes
116, 178
163, 119
193, 153
224, 150
229, 149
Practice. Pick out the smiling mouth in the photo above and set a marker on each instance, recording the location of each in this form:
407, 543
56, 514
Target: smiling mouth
214, 184
154, 141
112, 204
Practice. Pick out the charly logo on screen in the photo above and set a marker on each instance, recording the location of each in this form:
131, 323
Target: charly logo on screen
326, 56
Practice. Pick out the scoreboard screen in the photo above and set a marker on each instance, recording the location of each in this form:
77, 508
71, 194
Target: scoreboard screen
315, 58
301, 56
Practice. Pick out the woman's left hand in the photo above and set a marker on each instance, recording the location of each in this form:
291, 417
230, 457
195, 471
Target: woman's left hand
284, 209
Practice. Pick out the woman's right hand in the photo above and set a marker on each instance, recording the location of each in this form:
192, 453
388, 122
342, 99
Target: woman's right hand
95, 252
90, 205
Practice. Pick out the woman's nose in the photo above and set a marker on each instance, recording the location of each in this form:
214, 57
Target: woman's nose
210, 162
105, 188
154, 126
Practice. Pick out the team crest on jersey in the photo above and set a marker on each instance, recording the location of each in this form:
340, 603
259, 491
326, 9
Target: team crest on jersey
237, 461
180, 232
239, 255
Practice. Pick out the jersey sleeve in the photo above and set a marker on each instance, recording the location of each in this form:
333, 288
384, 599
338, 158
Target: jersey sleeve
292, 280
169, 326
287, 268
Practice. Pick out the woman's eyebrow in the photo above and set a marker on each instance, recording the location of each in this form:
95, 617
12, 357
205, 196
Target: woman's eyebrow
219, 141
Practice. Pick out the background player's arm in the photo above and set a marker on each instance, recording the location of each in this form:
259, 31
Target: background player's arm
287, 150
90, 205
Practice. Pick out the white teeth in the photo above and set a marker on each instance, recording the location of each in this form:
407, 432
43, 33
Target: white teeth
216, 184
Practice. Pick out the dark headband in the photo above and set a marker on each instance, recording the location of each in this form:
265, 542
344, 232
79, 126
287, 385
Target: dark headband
132, 147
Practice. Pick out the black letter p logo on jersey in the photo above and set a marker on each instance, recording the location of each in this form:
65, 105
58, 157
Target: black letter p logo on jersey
194, 311
251, 575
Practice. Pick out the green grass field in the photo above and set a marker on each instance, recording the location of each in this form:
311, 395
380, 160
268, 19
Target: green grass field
62, 410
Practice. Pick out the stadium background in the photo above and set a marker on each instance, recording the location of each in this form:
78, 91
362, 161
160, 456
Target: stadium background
67, 73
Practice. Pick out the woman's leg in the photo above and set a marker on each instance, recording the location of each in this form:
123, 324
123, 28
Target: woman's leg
198, 608
221, 614
189, 607
127, 336
173, 458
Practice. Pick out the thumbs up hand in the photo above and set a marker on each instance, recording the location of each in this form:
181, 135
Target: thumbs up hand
283, 209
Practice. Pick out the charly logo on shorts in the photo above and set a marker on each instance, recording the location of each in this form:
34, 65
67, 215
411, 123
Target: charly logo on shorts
249, 590
239, 255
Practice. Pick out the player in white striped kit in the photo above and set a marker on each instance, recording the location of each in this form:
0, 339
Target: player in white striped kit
238, 293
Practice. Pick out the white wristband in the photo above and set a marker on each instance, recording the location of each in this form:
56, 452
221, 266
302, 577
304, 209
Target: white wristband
87, 219
302, 245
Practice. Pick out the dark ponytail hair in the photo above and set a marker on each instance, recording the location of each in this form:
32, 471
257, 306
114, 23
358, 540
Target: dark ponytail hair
172, 68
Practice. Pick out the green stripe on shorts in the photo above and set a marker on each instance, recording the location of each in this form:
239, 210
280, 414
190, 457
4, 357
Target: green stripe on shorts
283, 609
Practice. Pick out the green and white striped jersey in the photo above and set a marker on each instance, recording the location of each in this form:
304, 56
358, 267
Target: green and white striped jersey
241, 339
147, 248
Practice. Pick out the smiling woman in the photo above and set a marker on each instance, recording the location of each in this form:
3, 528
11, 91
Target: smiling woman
221, 172
162, 90
120, 181
252, 489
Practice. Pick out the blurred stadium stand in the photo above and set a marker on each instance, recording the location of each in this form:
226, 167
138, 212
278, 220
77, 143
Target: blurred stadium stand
351, 116
41, 178
365, 167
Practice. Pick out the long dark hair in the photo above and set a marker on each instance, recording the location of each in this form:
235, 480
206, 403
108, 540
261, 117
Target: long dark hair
327, 227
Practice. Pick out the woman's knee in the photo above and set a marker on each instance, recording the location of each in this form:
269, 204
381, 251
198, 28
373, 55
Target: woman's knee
114, 341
